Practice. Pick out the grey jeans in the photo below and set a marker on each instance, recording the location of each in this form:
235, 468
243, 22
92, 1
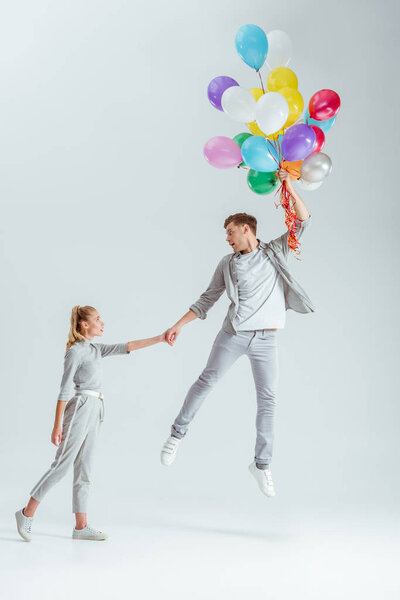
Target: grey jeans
262, 349
82, 420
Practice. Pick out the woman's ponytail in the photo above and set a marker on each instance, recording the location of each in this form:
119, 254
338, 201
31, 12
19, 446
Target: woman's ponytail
78, 314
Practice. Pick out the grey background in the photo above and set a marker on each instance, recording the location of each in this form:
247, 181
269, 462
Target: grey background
107, 200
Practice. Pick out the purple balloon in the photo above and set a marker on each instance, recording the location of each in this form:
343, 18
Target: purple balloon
222, 152
298, 142
216, 88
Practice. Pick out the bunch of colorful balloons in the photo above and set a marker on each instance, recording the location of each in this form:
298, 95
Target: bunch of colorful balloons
279, 136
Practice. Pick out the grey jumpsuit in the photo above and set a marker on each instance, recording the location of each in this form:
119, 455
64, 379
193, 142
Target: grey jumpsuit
82, 417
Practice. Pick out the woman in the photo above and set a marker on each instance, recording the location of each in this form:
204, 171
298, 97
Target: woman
81, 420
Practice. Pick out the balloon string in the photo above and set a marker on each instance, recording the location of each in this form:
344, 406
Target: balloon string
288, 206
259, 74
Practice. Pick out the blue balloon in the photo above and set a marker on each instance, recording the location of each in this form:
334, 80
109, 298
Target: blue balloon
258, 155
324, 125
252, 45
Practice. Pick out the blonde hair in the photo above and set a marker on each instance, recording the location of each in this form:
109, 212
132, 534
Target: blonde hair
78, 314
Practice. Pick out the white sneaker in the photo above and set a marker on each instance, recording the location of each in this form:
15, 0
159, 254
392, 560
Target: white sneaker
264, 479
24, 525
88, 533
169, 450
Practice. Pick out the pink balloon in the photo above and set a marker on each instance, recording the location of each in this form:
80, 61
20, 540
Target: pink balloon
324, 105
319, 139
222, 152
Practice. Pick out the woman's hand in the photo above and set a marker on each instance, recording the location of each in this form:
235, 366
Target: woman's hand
56, 435
163, 337
172, 334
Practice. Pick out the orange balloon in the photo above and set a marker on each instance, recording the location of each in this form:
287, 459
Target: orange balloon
293, 168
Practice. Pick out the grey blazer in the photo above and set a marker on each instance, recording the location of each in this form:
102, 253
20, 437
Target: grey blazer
225, 278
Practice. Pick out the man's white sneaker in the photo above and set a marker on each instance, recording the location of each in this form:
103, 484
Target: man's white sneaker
88, 533
264, 479
24, 525
169, 450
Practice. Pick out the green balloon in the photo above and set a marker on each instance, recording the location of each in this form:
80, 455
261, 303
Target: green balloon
262, 183
239, 139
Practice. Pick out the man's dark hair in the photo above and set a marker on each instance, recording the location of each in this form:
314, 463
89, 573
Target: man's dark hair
242, 219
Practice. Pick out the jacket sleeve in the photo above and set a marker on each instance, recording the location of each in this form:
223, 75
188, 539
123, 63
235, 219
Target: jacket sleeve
110, 349
282, 241
208, 298
71, 364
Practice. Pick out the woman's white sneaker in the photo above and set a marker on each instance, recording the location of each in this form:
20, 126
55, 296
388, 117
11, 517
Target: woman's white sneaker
264, 479
169, 450
24, 525
88, 533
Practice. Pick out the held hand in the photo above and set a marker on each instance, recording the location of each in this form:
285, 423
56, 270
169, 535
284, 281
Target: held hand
56, 435
172, 334
163, 337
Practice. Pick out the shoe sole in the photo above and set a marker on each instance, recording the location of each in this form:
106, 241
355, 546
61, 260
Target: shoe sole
77, 537
20, 532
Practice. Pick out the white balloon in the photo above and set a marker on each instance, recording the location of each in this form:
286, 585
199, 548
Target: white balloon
272, 111
239, 104
308, 187
279, 49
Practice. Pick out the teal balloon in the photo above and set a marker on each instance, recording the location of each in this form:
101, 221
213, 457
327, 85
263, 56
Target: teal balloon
239, 139
258, 156
324, 125
252, 45
262, 183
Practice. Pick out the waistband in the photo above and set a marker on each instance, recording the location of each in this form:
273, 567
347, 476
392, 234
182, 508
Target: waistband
89, 393
98, 395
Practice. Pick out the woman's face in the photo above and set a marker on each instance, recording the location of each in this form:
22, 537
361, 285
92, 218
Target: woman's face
93, 326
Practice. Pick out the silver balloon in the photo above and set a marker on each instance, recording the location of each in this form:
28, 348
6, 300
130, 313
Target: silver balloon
308, 187
315, 167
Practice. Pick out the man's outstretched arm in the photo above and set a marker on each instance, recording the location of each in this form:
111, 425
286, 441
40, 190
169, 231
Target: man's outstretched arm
303, 217
200, 308
172, 333
298, 204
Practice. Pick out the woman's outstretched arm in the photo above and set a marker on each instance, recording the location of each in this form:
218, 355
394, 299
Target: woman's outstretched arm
139, 344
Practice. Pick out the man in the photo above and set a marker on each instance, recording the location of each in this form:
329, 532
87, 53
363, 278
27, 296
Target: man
261, 289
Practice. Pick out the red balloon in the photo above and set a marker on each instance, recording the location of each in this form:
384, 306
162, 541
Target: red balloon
324, 105
319, 139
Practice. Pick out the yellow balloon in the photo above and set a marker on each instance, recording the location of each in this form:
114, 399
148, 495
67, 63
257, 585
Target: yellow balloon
296, 104
274, 136
254, 128
257, 93
281, 77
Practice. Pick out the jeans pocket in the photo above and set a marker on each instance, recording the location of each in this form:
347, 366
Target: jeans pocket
82, 401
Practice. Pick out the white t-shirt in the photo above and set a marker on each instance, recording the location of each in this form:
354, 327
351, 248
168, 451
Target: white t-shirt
261, 293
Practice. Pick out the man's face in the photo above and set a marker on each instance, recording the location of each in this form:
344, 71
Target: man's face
236, 236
